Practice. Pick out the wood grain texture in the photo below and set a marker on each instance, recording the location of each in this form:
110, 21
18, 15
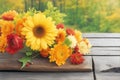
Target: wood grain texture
106, 63
107, 76
107, 51
101, 35
8, 62
105, 42
107, 67
46, 76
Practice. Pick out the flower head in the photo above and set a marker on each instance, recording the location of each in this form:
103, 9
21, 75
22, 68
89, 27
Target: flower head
70, 31
7, 27
39, 31
60, 26
84, 46
73, 41
0, 31
15, 43
9, 16
78, 35
59, 54
61, 35
19, 25
3, 43
44, 52
76, 58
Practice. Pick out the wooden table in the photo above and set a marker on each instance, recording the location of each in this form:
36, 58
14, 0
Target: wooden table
105, 59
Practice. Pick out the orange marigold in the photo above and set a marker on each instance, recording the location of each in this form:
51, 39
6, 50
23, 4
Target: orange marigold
44, 52
59, 54
60, 36
3, 43
9, 16
7, 28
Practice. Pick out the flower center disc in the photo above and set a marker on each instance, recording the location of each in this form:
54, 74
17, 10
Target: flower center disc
39, 31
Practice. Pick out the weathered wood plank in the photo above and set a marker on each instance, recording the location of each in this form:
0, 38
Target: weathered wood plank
102, 35
105, 42
107, 67
46, 76
8, 62
105, 51
108, 76
106, 63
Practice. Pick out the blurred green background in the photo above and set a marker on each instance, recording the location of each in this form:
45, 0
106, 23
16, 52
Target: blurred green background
85, 15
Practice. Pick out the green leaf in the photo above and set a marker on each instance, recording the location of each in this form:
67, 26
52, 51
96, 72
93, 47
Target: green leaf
25, 60
67, 42
29, 53
55, 13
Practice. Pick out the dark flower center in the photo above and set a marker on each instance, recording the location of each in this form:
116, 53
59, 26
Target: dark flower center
39, 31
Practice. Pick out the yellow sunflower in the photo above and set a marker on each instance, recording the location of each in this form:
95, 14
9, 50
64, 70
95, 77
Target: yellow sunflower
39, 31
59, 54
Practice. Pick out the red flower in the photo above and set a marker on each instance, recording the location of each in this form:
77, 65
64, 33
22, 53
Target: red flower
76, 49
60, 26
76, 58
15, 43
70, 31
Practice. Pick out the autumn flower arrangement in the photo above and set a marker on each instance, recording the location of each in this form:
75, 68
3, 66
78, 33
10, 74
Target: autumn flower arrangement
42, 34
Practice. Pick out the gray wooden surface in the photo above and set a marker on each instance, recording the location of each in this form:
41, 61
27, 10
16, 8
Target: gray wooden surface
106, 62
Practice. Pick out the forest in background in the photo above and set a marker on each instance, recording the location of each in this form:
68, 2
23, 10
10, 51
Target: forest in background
85, 15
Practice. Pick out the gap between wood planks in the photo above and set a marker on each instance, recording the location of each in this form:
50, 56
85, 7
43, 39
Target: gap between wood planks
93, 69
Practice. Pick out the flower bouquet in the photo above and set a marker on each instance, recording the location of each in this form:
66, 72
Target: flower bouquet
42, 34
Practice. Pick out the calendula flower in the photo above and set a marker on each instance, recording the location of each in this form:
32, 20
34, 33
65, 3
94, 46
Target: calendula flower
59, 54
60, 26
84, 46
73, 41
44, 52
10, 15
39, 31
70, 31
15, 43
60, 36
76, 58
7, 27
78, 35
3, 43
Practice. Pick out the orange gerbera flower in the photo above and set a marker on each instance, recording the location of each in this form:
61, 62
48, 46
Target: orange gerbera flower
60, 36
19, 26
9, 16
59, 54
0, 31
7, 27
3, 43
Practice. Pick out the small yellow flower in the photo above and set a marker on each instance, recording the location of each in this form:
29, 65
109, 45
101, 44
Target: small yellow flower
59, 54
